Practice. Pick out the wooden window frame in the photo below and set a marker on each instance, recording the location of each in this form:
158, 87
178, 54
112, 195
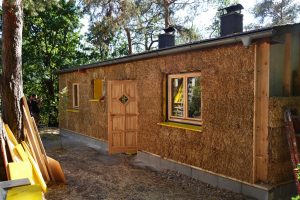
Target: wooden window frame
73, 95
185, 118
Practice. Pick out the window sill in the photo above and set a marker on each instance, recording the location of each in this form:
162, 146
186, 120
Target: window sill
182, 126
94, 100
72, 110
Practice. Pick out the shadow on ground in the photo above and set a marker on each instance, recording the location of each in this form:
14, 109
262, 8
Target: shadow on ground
93, 174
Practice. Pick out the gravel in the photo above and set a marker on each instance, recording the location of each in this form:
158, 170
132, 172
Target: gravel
93, 174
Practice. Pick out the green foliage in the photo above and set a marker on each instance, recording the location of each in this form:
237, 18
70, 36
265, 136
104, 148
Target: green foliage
63, 96
50, 42
296, 198
194, 104
108, 20
276, 12
298, 176
214, 28
136, 24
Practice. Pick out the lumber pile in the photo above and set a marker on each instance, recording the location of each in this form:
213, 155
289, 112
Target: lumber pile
27, 166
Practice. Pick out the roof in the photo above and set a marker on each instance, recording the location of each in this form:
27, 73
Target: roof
245, 37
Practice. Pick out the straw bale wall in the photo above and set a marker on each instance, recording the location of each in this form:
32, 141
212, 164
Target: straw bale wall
227, 83
280, 168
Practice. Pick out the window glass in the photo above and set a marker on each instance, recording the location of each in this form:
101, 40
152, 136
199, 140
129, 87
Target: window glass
177, 97
75, 98
194, 97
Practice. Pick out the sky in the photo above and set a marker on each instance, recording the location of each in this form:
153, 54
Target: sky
204, 19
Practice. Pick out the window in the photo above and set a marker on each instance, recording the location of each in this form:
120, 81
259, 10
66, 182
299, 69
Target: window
184, 98
75, 94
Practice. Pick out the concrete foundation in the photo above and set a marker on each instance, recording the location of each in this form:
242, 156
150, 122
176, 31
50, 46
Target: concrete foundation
89, 141
260, 192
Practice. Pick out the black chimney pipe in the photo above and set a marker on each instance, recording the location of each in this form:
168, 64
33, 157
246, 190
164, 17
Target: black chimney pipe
166, 39
231, 20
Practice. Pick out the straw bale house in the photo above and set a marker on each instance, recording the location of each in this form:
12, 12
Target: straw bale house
212, 109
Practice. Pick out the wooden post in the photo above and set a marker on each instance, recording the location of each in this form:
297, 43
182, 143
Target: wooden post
296, 87
164, 90
287, 70
261, 103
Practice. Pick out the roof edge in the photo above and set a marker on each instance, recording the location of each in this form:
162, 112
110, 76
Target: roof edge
246, 38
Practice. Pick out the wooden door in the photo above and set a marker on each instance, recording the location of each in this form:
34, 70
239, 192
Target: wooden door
122, 116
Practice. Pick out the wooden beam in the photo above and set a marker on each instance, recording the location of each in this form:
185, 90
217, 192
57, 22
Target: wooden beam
261, 103
164, 90
287, 68
296, 86
298, 57
253, 178
36, 150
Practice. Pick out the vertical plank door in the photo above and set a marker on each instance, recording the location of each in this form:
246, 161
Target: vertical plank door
122, 116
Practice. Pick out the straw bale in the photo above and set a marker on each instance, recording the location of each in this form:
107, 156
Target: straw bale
277, 106
280, 168
225, 144
281, 172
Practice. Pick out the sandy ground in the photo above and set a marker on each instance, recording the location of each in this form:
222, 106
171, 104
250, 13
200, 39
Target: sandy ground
93, 174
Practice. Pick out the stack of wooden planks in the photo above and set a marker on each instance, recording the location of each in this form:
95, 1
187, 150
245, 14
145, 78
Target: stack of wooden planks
27, 159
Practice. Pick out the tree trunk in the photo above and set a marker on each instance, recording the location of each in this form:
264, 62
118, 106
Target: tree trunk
129, 40
167, 13
12, 83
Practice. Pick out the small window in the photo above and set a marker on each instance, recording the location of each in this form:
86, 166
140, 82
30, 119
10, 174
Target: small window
184, 96
75, 94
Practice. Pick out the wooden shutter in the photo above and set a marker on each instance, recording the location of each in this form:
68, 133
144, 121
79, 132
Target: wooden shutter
98, 84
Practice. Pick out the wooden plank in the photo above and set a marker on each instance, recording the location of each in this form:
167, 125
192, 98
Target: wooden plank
254, 174
296, 88
13, 152
57, 173
299, 55
26, 130
3, 149
37, 173
52, 165
35, 146
10, 135
22, 153
287, 70
260, 122
164, 99
14, 183
4, 156
24, 101
36, 131
28, 192
29, 142
109, 116
22, 169
42, 149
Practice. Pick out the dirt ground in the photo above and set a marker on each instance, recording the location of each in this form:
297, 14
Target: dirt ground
93, 174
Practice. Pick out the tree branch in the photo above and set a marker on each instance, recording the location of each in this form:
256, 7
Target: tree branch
152, 42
